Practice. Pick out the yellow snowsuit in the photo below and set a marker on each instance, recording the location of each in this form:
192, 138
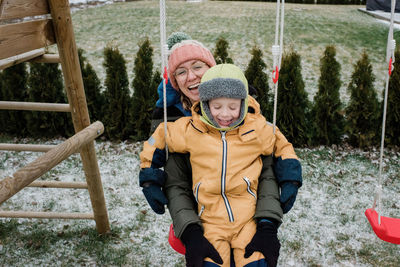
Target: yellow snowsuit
225, 171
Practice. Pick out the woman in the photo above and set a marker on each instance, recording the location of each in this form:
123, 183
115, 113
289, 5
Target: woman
188, 61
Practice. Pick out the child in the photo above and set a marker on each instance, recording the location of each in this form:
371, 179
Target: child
225, 143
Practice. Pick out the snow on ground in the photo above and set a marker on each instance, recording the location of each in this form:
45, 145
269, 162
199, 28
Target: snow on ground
326, 227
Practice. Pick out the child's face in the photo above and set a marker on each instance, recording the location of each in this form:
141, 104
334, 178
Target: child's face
225, 110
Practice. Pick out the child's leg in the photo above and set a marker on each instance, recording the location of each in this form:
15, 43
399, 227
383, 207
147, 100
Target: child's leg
239, 243
220, 244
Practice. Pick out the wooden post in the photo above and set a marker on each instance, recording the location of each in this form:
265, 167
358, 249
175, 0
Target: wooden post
26, 175
68, 53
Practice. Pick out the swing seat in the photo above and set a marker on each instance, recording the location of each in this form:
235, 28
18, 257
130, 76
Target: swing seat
175, 242
388, 230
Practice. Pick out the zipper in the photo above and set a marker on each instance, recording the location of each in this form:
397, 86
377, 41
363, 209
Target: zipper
248, 187
201, 211
223, 177
196, 196
196, 192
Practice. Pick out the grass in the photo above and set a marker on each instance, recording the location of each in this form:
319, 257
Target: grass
38, 241
326, 227
308, 30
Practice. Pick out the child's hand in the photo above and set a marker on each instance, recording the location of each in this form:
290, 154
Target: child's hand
152, 180
288, 195
155, 197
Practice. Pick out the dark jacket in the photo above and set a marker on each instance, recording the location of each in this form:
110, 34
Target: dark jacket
175, 109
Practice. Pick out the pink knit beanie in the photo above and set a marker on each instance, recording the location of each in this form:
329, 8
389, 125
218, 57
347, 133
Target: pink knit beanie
184, 51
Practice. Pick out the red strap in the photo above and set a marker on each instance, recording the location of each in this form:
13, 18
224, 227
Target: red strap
276, 71
175, 242
165, 74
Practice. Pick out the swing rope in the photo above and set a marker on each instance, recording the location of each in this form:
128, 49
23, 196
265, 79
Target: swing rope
387, 229
391, 45
277, 53
164, 52
175, 243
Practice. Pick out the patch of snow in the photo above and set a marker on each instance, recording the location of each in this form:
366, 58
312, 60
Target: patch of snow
326, 227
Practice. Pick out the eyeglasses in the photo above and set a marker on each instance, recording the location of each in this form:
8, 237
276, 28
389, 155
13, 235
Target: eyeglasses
197, 69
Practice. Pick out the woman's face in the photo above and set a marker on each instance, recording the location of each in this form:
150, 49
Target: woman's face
188, 76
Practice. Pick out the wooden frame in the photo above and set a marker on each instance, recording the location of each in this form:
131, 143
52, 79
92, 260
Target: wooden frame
26, 147
16, 9
26, 41
23, 37
26, 175
13, 105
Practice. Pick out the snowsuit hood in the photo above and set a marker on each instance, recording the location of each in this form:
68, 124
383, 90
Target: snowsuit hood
223, 80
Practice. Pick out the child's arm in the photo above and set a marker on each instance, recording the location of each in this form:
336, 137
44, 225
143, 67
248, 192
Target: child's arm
286, 165
153, 153
152, 158
288, 171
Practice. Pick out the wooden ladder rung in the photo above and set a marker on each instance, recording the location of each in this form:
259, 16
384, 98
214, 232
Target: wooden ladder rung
26, 147
11, 61
47, 58
35, 106
46, 215
59, 184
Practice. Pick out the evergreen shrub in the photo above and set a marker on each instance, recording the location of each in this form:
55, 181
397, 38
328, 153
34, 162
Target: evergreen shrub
362, 112
328, 109
221, 51
45, 84
94, 97
117, 98
393, 108
144, 86
256, 77
2, 112
13, 88
293, 106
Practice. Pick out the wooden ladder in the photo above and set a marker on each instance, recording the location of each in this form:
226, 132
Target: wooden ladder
27, 27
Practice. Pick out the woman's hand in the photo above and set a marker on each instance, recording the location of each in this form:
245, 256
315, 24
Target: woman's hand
198, 247
265, 240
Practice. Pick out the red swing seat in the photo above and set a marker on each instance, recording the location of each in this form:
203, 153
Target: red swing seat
175, 242
388, 230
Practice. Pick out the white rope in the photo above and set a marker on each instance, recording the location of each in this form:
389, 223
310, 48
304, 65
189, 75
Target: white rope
164, 53
391, 45
277, 53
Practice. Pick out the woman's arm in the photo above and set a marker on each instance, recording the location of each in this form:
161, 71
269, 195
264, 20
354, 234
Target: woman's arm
178, 189
268, 205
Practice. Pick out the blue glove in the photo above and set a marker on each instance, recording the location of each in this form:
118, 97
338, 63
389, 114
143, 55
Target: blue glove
152, 180
288, 195
155, 197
